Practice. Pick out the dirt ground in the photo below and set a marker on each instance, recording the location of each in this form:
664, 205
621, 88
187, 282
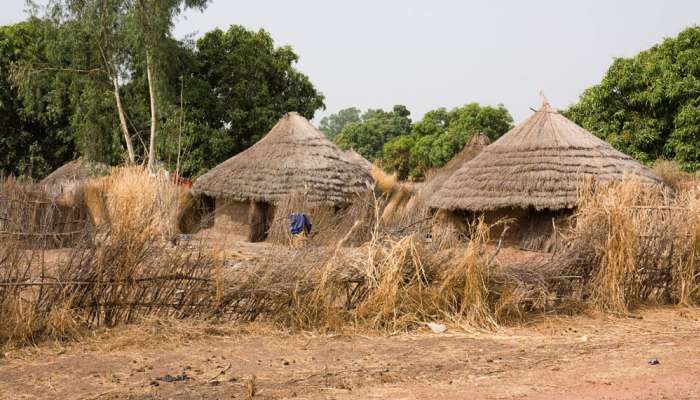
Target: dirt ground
588, 357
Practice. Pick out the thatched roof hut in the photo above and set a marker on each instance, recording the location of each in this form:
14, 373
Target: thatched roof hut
76, 170
538, 164
437, 178
357, 158
293, 156
64, 183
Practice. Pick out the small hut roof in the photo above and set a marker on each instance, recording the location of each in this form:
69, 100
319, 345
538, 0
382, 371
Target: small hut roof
538, 164
76, 170
357, 158
438, 177
293, 156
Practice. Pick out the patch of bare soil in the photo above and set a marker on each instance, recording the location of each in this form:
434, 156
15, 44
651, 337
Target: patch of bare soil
564, 358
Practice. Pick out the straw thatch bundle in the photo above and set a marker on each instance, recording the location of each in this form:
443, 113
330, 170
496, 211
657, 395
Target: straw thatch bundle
293, 156
537, 164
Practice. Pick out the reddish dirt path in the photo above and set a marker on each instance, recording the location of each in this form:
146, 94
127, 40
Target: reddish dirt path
577, 358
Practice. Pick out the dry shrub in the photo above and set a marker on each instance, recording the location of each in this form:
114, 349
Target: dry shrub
130, 196
673, 175
128, 273
632, 244
330, 224
464, 290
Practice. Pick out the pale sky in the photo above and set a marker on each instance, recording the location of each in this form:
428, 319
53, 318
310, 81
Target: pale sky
442, 53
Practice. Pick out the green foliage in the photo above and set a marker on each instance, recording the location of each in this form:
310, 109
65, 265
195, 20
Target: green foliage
648, 106
375, 128
333, 124
34, 129
397, 155
440, 135
216, 97
244, 85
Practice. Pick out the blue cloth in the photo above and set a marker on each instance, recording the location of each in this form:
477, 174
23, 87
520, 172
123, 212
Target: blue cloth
300, 222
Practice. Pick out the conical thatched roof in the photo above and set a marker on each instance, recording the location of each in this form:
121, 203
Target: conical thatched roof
357, 158
76, 170
438, 177
538, 164
293, 156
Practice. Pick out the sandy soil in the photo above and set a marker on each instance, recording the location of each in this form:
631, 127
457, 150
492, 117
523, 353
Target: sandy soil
563, 358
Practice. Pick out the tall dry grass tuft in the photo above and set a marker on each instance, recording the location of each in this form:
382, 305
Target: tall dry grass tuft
134, 197
673, 175
396, 287
352, 224
686, 271
632, 244
616, 284
464, 290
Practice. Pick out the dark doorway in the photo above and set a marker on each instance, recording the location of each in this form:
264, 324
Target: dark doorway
259, 220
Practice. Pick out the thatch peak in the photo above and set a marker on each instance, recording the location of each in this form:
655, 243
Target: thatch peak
537, 164
76, 170
293, 157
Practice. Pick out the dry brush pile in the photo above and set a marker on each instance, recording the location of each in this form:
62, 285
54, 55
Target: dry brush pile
628, 245
631, 245
122, 267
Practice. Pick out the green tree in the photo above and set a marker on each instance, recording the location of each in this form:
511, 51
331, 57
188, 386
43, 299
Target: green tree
440, 135
376, 127
215, 97
35, 134
239, 84
152, 22
397, 155
334, 123
648, 105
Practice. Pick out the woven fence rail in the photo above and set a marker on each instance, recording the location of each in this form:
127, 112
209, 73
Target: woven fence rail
37, 220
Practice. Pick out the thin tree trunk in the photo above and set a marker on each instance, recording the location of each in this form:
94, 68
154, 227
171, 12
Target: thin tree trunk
114, 76
122, 122
179, 134
152, 94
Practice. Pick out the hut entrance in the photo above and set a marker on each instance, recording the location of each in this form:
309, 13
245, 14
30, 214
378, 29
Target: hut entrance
259, 219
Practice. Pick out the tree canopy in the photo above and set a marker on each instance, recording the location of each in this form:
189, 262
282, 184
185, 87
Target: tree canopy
411, 149
35, 134
648, 106
375, 127
59, 81
333, 124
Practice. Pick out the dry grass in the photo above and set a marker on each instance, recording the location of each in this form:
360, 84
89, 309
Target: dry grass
124, 270
464, 291
131, 194
673, 176
630, 245
352, 223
